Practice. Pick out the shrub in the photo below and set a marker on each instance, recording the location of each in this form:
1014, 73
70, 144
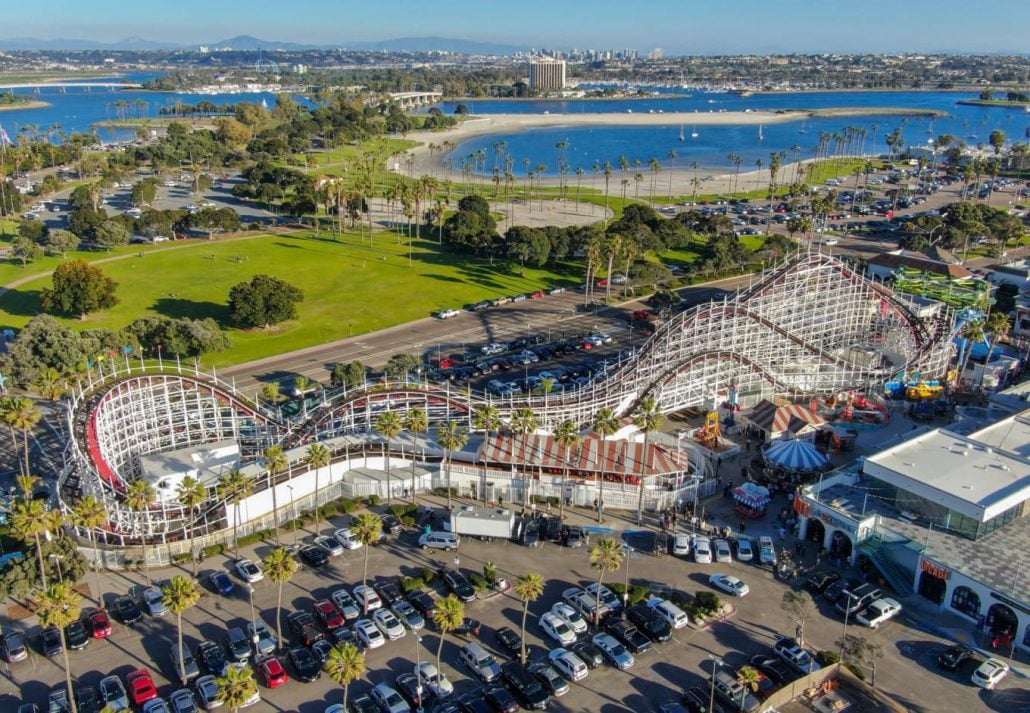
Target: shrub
408, 520
856, 669
214, 550
478, 581
827, 658
412, 584
372, 501
328, 511
181, 558
346, 506
428, 576
707, 603
490, 572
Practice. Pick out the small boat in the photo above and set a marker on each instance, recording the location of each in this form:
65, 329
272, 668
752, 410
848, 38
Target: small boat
682, 137
802, 129
760, 137
693, 132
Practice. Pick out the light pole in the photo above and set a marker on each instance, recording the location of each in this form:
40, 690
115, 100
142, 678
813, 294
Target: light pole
626, 550
418, 671
844, 631
716, 663
293, 514
457, 561
253, 615
57, 558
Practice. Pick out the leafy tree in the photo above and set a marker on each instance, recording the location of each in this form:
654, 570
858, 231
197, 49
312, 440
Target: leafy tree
30, 520
232, 132
345, 664
263, 301
528, 588
799, 604
236, 688
84, 221
25, 250
402, 366
449, 615
33, 230
111, 234
59, 606
605, 556
280, 565
180, 594
527, 245
368, 529
233, 487
144, 193
349, 375
45, 343
179, 337
61, 241
79, 288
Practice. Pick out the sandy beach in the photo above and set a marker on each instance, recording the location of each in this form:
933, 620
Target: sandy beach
32, 104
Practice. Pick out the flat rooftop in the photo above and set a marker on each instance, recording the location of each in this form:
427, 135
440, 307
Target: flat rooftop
206, 462
980, 475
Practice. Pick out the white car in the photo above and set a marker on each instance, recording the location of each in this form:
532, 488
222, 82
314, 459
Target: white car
795, 656
556, 628
367, 598
407, 614
744, 551
729, 584
608, 597
389, 624
388, 700
878, 612
249, 571
681, 545
207, 694
112, 693
369, 634
568, 664
329, 544
676, 617
570, 616
722, 551
990, 673
432, 679
702, 550
345, 603
264, 640
347, 538
445, 313
766, 551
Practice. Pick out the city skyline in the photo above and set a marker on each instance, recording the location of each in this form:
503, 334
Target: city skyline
704, 27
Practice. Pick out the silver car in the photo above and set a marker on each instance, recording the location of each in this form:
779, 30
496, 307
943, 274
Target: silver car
154, 601
182, 701
388, 700
264, 640
112, 693
613, 650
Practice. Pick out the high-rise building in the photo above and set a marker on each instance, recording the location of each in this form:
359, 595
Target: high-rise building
546, 74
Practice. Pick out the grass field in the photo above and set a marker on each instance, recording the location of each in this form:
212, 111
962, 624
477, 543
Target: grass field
349, 287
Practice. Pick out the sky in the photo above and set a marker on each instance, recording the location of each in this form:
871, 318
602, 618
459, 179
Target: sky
677, 26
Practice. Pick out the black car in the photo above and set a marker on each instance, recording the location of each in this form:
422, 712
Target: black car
500, 699
391, 524
127, 610
649, 622
696, 701
212, 656
527, 689
553, 533
343, 635
423, 603
75, 636
313, 556
590, 654
773, 668
473, 703
573, 537
630, 636
662, 543
458, 584
836, 590
954, 656
87, 700
407, 685
510, 641
363, 704
388, 590
305, 665
49, 641
468, 628
819, 581
303, 627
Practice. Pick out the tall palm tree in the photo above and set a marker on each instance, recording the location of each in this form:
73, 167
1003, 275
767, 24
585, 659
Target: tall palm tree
606, 423
58, 605
280, 565
648, 418
528, 588
190, 493
451, 437
181, 593
91, 514
140, 495
523, 422
488, 419
749, 678
276, 462
973, 333
236, 687
233, 487
318, 457
344, 665
389, 426
368, 528
450, 613
416, 421
30, 520
24, 416
997, 326
27, 484
567, 436
605, 556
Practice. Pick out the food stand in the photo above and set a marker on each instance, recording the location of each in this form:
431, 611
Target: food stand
751, 500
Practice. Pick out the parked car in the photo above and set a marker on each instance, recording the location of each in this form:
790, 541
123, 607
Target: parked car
608, 597
186, 669
629, 635
954, 656
468, 628
590, 654
446, 541
407, 615
75, 636
556, 628
305, 665
773, 668
411, 690
50, 641
272, 672
722, 551
369, 634
212, 657
676, 617
500, 699
328, 614
141, 686
570, 616
388, 624
423, 603
526, 686
12, 645
878, 612
649, 622
820, 581
313, 556
433, 680
221, 582
766, 551
182, 701
345, 604
264, 640
729, 584
834, 592
614, 651
367, 598
744, 551
702, 550
113, 693
568, 664
389, 700
480, 662
795, 656
127, 610
346, 537
855, 600
249, 571
549, 678
681, 545
238, 644
990, 673
153, 600
509, 640
458, 584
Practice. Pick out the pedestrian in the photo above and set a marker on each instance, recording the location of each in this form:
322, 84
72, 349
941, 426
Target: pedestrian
783, 533
500, 501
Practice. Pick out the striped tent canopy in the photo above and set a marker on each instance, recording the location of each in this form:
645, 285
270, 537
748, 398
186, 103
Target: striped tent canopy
778, 419
593, 454
795, 455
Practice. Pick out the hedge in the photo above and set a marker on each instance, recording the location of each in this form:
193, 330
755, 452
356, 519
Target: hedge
637, 592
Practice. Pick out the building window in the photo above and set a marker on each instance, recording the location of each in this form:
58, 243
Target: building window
967, 601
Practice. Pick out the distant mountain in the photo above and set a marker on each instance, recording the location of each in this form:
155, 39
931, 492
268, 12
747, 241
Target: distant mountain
138, 44
245, 43
435, 44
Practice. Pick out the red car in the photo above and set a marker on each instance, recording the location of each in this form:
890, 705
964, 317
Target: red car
99, 624
272, 672
329, 615
141, 686
537, 295
447, 363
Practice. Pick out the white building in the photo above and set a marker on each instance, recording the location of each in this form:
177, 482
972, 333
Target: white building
207, 463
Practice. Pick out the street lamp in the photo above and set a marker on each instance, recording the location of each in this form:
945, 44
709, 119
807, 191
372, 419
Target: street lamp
627, 550
418, 671
293, 514
253, 615
716, 663
457, 561
57, 558
844, 631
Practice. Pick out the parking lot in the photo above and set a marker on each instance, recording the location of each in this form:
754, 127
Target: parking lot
659, 675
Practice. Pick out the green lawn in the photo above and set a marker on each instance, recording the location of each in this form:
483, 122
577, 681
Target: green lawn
349, 288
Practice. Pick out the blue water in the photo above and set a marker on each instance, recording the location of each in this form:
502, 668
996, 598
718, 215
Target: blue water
594, 145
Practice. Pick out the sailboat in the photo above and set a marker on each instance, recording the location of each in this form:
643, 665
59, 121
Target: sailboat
693, 132
760, 137
802, 129
682, 137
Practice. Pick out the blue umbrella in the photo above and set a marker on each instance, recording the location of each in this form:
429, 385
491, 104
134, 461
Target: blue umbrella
795, 455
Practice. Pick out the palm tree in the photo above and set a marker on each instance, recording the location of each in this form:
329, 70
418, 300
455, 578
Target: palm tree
30, 520
998, 325
181, 593
389, 425
276, 462
191, 493
345, 664
236, 687
488, 419
280, 565
648, 418
748, 677
606, 423
523, 422
416, 421
368, 528
528, 588
24, 415
318, 457
27, 484
233, 487
90, 514
451, 437
605, 556
58, 606
140, 495
51, 384
973, 333
450, 613
567, 436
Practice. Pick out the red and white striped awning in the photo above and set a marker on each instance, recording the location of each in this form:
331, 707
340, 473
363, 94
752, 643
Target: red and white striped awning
593, 454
